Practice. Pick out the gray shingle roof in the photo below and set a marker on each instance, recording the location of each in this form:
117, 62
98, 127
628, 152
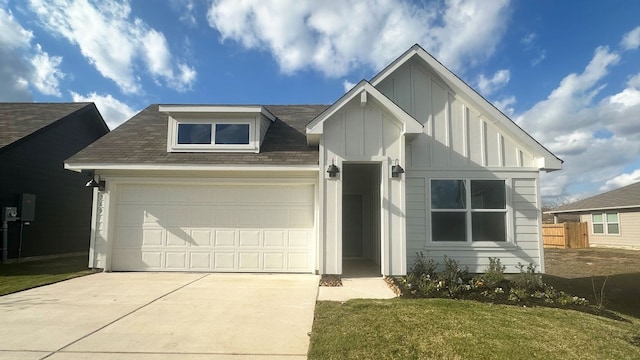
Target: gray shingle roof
624, 197
18, 120
143, 140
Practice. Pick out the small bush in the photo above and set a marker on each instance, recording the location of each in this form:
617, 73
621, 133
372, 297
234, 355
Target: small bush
525, 288
528, 279
423, 265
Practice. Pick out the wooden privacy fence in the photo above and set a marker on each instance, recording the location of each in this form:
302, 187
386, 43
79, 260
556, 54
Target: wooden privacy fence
566, 236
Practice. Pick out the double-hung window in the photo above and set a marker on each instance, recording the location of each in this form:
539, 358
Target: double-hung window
464, 210
605, 224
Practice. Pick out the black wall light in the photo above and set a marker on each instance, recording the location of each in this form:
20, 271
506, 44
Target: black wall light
93, 183
333, 170
396, 170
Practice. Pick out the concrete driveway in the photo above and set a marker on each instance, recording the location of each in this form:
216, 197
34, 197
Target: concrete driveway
161, 316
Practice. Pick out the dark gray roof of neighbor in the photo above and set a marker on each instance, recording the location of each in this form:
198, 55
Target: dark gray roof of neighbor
18, 120
143, 140
624, 197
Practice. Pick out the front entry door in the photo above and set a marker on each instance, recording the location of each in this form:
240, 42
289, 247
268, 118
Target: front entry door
352, 226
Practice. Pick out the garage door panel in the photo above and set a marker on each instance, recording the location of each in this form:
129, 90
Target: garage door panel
298, 261
201, 261
176, 260
298, 238
274, 261
249, 260
274, 238
177, 237
249, 238
201, 237
225, 261
250, 228
152, 260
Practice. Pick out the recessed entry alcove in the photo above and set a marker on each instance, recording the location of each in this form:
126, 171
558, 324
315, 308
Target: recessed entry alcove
361, 214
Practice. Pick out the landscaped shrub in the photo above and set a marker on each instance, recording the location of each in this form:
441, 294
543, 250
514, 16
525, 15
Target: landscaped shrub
528, 279
525, 288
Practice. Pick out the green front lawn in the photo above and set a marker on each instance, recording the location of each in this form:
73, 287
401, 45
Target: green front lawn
29, 274
457, 329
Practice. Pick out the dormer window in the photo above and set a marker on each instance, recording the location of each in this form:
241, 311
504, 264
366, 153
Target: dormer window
213, 134
232, 134
216, 128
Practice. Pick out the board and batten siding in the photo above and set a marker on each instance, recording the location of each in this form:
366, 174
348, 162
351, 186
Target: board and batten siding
363, 133
461, 142
524, 236
457, 134
629, 236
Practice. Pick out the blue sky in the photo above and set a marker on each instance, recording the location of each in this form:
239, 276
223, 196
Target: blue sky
568, 72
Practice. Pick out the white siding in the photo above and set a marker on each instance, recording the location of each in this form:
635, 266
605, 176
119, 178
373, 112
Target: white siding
456, 135
363, 133
629, 236
523, 243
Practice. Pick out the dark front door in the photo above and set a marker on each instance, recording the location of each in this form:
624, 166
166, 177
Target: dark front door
352, 225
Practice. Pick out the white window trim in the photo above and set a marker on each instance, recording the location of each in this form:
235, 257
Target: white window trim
605, 223
509, 239
172, 136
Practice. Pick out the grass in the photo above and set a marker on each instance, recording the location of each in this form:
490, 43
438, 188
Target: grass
29, 274
578, 271
456, 329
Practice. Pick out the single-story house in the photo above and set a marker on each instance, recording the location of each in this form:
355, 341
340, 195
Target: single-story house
413, 160
53, 204
613, 217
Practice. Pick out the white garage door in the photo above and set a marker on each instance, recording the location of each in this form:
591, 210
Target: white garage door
226, 228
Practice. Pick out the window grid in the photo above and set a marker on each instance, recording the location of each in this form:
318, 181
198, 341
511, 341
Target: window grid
605, 223
468, 210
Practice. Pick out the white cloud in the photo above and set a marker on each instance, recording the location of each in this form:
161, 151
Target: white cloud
347, 85
631, 40
113, 111
47, 75
558, 113
14, 71
335, 37
505, 105
489, 86
187, 10
12, 34
113, 41
570, 122
22, 64
621, 180
531, 46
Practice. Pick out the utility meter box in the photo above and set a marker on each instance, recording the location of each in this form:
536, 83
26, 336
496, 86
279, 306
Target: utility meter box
27, 207
9, 214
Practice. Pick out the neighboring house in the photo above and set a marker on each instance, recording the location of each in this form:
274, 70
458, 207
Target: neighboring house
35, 139
613, 217
423, 163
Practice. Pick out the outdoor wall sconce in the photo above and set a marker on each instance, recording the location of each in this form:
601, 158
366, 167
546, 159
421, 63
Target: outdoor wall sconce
396, 169
93, 183
333, 170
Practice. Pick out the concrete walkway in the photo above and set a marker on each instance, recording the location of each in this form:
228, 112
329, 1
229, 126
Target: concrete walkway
356, 288
161, 316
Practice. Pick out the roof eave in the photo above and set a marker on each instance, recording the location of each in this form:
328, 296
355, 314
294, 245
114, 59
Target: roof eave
592, 209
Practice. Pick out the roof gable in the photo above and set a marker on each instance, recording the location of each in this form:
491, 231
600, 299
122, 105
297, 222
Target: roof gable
19, 120
546, 160
621, 198
363, 89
